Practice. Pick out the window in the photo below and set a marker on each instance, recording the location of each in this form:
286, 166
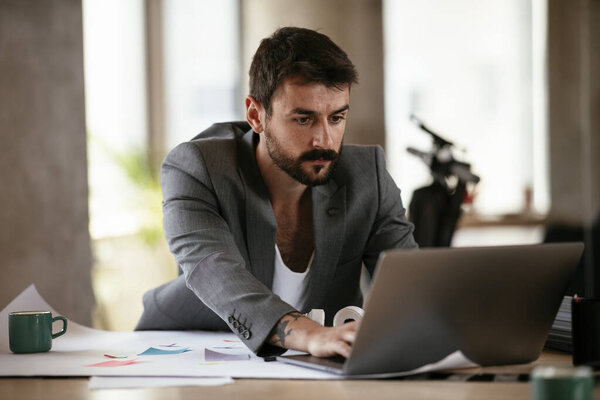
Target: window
473, 72
198, 86
202, 66
115, 87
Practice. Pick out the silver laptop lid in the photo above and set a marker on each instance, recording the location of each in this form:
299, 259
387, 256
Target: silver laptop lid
495, 304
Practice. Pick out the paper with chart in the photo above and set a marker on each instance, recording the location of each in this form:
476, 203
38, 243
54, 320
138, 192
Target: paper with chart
84, 351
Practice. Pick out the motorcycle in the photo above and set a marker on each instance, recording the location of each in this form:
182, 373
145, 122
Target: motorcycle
435, 209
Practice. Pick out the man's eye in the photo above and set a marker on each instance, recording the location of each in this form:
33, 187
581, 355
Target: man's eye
336, 119
303, 120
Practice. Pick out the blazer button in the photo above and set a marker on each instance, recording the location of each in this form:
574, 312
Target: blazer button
246, 334
235, 324
241, 328
230, 319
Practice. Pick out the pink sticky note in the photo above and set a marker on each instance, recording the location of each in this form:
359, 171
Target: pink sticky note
114, 363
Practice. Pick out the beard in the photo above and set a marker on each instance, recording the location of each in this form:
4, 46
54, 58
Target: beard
310, 176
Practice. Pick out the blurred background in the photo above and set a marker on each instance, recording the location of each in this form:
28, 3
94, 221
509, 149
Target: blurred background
94, 93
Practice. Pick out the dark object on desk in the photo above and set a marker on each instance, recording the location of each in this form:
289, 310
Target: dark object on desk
586, 331
560, 337
435, 209
494, 304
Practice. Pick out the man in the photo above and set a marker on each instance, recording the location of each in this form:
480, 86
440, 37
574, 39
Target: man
273, 217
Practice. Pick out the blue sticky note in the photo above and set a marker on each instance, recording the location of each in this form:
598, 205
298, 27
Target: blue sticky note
153, 351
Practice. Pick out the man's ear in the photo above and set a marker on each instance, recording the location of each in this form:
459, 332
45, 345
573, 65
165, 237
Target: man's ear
255, 114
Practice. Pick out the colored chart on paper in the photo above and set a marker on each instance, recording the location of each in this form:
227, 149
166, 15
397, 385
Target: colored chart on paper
211, 355
115, 363
153, 351
114, 356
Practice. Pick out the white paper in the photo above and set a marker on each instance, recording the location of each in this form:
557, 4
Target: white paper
73, 352
131, 382
211, 354
452, 361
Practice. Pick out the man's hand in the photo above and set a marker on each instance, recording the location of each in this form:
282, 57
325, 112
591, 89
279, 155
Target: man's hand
295, 331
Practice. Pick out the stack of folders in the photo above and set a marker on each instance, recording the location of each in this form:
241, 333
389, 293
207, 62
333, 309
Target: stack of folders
559, 337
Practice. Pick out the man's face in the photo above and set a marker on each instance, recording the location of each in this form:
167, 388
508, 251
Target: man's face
305, 131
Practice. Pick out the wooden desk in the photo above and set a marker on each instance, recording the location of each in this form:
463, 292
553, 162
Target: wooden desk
454, 387
248, 389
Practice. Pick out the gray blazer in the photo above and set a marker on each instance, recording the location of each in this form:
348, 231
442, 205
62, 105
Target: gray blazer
220, 227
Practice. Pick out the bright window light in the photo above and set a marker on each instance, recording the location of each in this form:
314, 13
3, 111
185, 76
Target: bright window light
471, 71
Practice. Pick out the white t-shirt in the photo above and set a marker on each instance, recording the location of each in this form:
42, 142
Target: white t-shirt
289, 285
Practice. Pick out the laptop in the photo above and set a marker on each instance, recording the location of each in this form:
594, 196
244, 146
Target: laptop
494, 304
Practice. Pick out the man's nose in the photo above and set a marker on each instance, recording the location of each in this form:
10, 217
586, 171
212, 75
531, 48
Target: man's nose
322, 134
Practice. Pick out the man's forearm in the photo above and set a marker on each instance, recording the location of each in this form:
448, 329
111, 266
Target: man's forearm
291, 331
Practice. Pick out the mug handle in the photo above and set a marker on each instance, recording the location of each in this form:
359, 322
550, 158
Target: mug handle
64, 328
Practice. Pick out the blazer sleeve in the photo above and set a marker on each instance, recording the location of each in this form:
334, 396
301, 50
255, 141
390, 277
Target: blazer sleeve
204, 248
391, 228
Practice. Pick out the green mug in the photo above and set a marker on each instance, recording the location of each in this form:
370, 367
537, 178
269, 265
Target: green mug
31, 331
562, 383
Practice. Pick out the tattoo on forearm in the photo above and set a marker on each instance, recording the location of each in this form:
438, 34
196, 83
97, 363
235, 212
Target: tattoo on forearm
281, 330
295, 315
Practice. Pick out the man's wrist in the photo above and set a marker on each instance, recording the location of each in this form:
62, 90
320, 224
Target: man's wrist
292, 332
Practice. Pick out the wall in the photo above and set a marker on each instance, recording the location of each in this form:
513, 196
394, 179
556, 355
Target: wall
574, 110
44, 235
355, 25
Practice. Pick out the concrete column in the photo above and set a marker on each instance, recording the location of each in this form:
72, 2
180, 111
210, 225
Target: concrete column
574, 110
44, 235
574, 129
355, 25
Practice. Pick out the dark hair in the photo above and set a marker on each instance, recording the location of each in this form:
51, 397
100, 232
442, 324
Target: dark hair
302, 53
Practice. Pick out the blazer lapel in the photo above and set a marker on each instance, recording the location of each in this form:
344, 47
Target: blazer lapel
329, 224
260, 220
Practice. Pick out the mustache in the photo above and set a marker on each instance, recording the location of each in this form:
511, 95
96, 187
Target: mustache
319, 154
